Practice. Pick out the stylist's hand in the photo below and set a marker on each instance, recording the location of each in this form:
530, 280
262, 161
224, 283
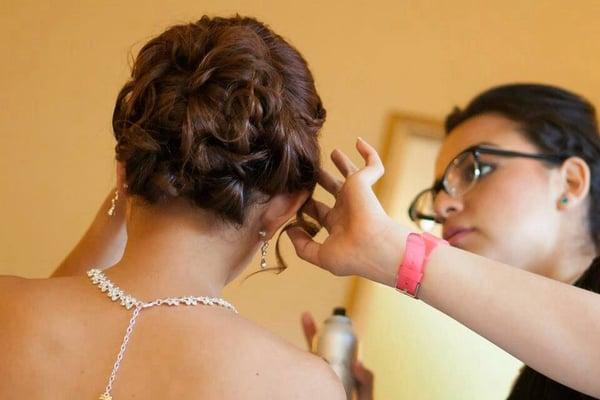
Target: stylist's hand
362, 376
362, 239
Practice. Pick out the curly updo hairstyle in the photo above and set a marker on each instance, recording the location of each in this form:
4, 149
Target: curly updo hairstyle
222, 112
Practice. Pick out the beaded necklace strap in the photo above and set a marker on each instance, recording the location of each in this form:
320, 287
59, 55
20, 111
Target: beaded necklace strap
126, 300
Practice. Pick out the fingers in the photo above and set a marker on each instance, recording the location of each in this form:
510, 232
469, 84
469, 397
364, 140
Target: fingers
343, 163
373, 169
371, 172
329, 182
362, 374
318, 211
309, 328
364, 381
306, 248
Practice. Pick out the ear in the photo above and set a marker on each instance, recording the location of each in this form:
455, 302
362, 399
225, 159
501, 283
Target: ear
575, 178
280, 209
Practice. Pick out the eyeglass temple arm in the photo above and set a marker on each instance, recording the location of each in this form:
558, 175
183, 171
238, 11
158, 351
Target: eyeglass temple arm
509, 153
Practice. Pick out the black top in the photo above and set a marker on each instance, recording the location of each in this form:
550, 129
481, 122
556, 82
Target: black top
530, 384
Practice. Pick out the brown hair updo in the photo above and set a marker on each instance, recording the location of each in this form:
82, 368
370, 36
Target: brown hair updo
218, 111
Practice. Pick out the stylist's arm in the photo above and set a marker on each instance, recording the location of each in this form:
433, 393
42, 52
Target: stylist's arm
550, 326
102, 244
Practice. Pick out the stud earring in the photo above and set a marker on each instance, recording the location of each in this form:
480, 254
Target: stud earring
564, 200
263, 250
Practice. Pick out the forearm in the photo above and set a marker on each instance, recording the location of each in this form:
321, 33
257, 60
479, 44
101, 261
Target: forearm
102, 245
550, 326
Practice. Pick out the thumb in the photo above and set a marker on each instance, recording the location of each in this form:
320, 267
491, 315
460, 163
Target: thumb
364, 381
309, 327
306, 248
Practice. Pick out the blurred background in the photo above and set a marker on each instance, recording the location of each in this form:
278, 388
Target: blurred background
388, 71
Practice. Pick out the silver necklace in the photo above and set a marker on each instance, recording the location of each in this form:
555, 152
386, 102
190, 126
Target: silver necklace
126, 300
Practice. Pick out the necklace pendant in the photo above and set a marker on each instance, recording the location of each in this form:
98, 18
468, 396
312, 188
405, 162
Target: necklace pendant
105, 396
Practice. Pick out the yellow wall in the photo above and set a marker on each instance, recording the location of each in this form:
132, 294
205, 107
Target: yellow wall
63, 62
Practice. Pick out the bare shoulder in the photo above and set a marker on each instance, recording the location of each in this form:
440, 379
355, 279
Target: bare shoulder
15, 319
17, 294
8, 284
20, 303
269, 358
13, 291
18, 288
316, 380
28, 304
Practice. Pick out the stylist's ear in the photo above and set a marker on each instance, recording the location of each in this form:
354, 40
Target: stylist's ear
575, 177
280, 209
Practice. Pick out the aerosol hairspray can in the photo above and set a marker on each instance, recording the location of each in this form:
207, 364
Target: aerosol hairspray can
337, 344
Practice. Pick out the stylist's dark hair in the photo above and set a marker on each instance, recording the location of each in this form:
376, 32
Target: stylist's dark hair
222, 112
555, 120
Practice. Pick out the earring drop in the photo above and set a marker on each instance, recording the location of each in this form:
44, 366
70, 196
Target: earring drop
113, 202
113, 205
263, 250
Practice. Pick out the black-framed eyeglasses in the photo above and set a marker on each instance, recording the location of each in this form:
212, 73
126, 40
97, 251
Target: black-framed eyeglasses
460, 176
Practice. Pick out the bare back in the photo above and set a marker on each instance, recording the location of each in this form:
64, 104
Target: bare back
60, 338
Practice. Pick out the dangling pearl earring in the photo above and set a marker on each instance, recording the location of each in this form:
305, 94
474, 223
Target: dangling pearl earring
263, 250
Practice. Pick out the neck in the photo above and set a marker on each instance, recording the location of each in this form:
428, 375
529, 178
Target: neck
570, 259
177, 251
568, 270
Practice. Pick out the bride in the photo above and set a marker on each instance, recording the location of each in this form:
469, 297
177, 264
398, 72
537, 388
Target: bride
217, 150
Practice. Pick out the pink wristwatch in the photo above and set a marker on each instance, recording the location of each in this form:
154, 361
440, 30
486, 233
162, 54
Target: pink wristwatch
416, 253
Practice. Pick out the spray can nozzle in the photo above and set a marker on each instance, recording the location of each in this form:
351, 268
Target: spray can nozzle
339, 311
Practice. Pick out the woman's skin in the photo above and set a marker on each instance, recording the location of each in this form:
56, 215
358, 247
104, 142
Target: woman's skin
545, 236
549, 325
104, 242
550, 240
60, 336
